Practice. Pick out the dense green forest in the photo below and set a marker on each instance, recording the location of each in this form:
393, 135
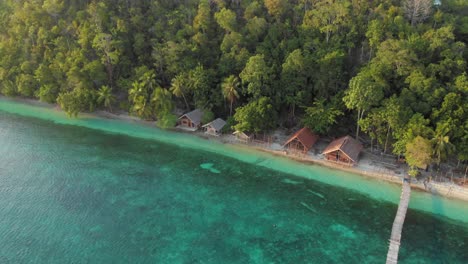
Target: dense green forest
396, 70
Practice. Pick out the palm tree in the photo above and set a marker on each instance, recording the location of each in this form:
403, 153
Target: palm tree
178, 87
442, 145
141, 107
229, 87
148, 80
106, 97
134, 91
161, 100
137, 96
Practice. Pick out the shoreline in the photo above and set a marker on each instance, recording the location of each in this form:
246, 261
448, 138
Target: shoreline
451, 191
434, 188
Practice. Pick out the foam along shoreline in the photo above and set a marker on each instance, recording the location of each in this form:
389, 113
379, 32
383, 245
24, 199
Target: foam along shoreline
124, 124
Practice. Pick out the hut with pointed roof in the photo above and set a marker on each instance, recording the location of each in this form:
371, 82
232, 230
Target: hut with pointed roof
343, 150
191, 120
243, 137
214, 127
301, 141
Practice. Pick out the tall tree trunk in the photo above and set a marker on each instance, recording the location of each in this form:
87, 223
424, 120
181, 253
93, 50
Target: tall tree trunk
185, 100
386, 139
438, 157
361, 57
360, 115
466, 170
230, 110
357, 124
110, 71
293, 110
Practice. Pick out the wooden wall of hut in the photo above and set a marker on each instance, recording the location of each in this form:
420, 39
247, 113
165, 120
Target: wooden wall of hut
211, 130
337, 156
186, 122
296, 146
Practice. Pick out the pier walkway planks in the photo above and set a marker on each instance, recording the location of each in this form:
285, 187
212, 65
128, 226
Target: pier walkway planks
395, 238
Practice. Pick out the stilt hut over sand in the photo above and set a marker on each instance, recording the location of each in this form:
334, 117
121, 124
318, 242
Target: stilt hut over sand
214, 127
302, 140
343, 150
191, 120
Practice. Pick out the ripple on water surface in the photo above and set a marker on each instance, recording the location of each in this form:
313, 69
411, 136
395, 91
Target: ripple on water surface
71, 195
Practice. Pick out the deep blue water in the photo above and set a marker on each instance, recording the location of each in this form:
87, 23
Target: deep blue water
70, 194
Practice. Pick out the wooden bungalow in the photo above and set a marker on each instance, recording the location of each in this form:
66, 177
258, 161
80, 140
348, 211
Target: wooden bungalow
344, 150
214, 127
301, 141
243, 136
191, 120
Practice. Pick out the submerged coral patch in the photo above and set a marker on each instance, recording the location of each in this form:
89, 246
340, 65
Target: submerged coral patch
209, 167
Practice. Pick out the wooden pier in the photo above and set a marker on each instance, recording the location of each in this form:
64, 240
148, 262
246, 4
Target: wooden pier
395, 238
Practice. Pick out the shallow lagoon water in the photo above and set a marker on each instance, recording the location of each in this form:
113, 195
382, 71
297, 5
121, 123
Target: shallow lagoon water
73, 194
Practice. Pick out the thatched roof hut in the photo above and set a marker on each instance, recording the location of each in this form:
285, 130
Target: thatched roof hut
344, 150
214, 127
243, 136
302, 140
191, 119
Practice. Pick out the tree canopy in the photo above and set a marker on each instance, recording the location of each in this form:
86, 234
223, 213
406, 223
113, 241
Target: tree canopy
396, 69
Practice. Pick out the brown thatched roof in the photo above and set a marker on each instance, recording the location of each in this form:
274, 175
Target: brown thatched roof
195, 116
305, 136
347, 145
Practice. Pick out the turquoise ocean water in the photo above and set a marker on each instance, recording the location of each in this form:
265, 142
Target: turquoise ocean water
103, 191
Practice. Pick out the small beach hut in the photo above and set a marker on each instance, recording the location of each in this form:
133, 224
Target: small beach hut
214, 127
302, 140
191, 120
344, 150
243, 136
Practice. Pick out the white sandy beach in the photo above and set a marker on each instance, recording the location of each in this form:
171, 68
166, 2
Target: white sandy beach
370, 165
